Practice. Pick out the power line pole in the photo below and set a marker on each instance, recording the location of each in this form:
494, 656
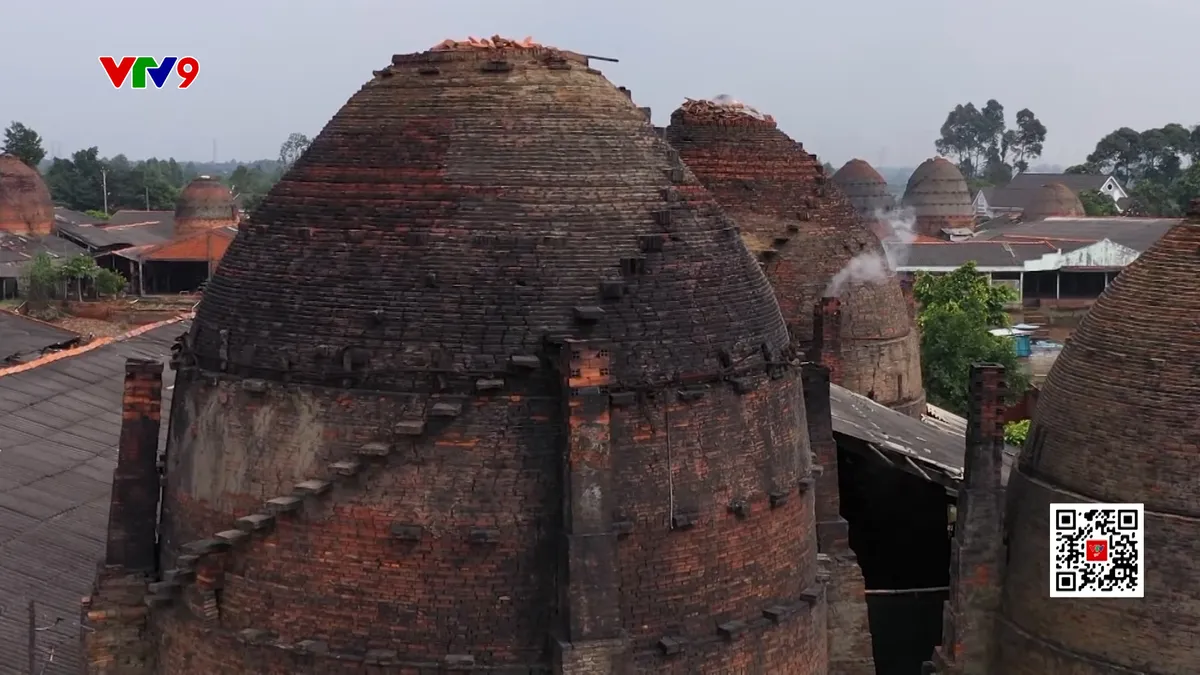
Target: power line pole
104, 188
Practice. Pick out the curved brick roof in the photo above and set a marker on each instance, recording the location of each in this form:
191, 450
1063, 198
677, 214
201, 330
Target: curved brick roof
204, 204
805, 232
1118, 420
398, 305
1053, 199
25, 204
864, 187
939, 197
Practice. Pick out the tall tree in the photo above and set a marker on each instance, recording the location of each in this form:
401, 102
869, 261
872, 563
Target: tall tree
292, 148
24, 143
77, 183
982, 145
1156, 166
1097, 204
957, 310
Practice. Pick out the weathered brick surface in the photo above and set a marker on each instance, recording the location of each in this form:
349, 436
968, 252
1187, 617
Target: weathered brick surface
1117, 421
977, 553
25, 204
939, 197
805, 232
135, 489
114, 635
204, 204
850, 644
401, 299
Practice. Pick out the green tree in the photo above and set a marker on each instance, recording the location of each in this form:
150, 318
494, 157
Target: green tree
292, 148
957, 311
109, 282
78, 183
251, 183
1015, 433
982, 145
1097, 204
80, 271
1157, 166
24, 143
39, 280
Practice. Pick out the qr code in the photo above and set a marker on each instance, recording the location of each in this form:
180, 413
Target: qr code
1097, 551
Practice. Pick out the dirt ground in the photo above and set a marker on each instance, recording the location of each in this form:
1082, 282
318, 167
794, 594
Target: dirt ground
93, 327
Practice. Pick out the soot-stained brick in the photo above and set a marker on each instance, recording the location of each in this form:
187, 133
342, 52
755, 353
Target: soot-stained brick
429, 254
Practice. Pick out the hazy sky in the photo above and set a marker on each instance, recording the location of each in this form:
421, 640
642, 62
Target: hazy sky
867, 78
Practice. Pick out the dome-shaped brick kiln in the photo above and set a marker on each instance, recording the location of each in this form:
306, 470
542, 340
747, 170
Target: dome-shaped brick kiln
204, 204
865, 188
25, 204
1053, 199
1118, 421
488, 371
806, 234
939, 197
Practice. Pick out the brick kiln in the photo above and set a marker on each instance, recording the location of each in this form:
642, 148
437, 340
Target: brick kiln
488, 382
805, 232
939, 197
1053, 199
204, 204
865, 188
25, 204
1117, 421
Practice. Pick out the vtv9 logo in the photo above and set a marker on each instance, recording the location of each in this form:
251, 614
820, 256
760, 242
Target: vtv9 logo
119, 70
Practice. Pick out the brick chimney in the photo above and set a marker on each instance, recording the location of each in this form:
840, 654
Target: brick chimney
113, 621
977, 552
850, 643
826, 347
135, 492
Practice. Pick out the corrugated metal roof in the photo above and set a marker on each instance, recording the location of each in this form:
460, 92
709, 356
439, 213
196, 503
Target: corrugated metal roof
1138, 234
17, 250
23, 337
108, 236
60, 422
927, 255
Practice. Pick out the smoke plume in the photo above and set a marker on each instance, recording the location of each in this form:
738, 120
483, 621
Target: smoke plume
898, 234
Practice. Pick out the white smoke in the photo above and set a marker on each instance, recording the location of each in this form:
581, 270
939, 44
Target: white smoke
727, 101
898, 232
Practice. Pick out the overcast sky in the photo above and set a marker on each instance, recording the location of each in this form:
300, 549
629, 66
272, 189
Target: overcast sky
859, 78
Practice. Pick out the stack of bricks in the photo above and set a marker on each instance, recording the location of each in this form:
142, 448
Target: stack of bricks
1116, 422
977, 551
204, 204
939, 197
25, 204
804, 232
454, 394
115, 638
850, 644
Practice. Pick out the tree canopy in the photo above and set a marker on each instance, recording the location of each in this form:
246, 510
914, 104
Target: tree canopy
1097, 204
957, 311
987, 151
24, 143
292, 148
1159, 168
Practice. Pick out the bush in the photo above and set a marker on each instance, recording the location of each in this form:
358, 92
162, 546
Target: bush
1015, 433
109, 282
39, 280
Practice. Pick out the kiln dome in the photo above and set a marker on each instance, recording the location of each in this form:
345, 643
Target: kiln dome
865, 188
1053, 199
489, 293
939, 197
805, 231
204, 204
1118, 420
25, 204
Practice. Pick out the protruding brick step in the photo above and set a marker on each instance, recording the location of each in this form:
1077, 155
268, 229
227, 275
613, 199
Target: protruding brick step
233, 537
446, 409
408, 428
255, 522
286, 504
178, 575
459, 661
375, 449
671, 646
256, 636
346, 467
588, 314
527, 361
163, 587
158, 601
488, 384
203, 547
731, 629
312, 487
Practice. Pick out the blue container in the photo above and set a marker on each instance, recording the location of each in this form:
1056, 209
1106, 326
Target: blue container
1023, 345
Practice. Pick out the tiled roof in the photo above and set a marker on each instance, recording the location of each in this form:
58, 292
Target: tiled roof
925, 255
198, 247
60, 421
25, 338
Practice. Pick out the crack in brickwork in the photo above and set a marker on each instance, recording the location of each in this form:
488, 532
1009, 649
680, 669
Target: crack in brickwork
806, 232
